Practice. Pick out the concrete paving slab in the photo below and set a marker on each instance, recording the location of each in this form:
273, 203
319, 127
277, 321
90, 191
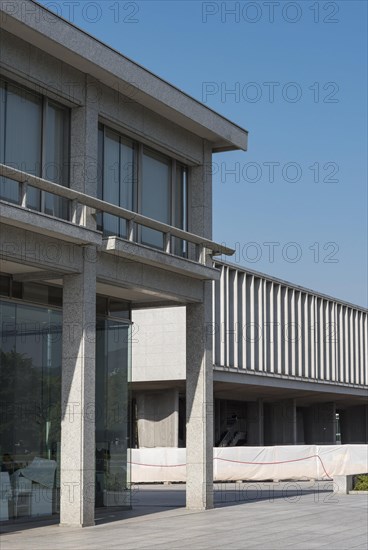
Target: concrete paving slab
317, 519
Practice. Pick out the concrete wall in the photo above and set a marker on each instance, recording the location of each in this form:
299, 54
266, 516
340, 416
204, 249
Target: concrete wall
158, 348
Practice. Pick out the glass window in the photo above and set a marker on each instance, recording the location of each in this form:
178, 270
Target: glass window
155, 194
119, 308
158, 189
4, 285
113, 357
34, 138
3, 191
42, 294
30, 396
30, 392
111, 180
21, 128
118, 159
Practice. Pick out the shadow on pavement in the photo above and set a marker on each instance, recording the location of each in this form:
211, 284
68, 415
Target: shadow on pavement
151, 499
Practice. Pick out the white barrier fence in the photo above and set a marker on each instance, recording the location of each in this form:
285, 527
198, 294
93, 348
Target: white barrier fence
295, 462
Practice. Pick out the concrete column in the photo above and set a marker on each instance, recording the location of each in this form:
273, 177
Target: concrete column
343, 484
158, 418
217, 421
200, 198
300, 439
354, 424
255, 424
320, 425
199, 391
283, 422
200, 212
84, 167
77, 470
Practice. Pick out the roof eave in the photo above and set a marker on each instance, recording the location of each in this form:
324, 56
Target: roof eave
149, 90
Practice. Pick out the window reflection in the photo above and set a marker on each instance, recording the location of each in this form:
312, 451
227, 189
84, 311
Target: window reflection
140, 179
34, 138
21, 125
30, 398
30, 394
117, 159
155, 194
112, 407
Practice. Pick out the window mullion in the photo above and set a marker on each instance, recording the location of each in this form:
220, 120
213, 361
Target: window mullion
172, 202
5, 119
120, 221
174, 191
43, 150
139, 187
189, 200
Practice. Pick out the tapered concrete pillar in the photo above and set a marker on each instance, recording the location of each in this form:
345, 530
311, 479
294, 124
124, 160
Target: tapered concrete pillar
282, 424
77, 471
199, 391
320, 426
354, 424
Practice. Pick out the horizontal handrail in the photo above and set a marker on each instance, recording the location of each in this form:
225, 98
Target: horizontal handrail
106, 207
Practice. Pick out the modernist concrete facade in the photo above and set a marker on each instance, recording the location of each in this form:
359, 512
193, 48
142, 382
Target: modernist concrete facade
89, 140
290, 366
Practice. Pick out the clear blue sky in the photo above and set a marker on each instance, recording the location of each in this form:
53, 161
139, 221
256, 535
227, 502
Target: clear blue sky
318, 67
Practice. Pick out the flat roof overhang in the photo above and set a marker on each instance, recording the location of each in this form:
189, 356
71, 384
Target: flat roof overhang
245, 381
66, 42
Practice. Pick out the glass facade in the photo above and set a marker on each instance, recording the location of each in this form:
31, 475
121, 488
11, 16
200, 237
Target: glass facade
112, 413
34, 138
30, 397
117, 178
155, 194
30, 389
142, 180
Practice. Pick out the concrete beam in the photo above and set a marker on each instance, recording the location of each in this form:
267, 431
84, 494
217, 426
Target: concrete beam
33, 276
235, 376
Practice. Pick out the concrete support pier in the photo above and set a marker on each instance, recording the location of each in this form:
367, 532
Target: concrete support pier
321, 424
77, 469
199, 389
281, 428
255, 423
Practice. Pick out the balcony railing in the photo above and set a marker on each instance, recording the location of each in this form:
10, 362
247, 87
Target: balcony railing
82, 206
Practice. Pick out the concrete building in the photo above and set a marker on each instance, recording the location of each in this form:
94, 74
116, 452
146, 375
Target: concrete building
289, 366
105, 204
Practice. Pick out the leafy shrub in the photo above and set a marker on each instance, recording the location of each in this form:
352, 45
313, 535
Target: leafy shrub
361, 483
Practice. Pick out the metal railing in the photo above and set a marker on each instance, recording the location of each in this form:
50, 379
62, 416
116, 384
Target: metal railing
80, 202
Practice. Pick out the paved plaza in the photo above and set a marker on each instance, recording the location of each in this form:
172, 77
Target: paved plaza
305, 515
